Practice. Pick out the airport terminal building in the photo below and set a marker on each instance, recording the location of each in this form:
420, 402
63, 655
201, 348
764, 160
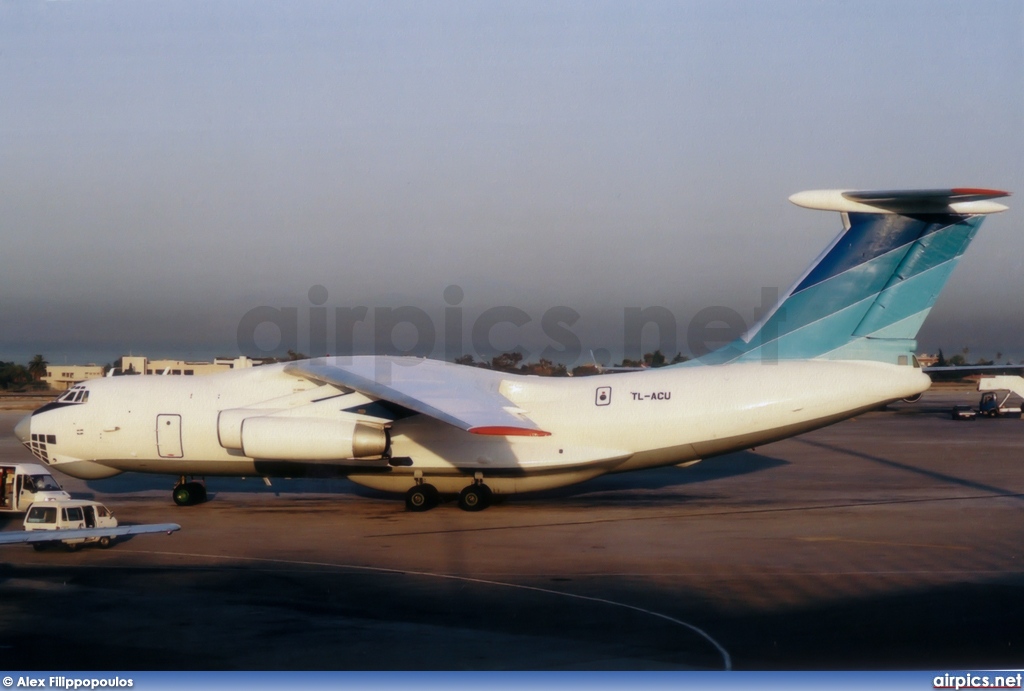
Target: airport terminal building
63, 377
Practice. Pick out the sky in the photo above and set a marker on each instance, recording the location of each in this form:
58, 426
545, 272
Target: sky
169, 169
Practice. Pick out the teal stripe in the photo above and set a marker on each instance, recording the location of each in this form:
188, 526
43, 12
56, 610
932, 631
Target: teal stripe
868, 310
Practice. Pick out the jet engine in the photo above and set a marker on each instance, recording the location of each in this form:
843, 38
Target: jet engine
311, 439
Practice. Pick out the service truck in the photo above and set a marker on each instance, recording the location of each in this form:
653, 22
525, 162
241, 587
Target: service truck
22, 484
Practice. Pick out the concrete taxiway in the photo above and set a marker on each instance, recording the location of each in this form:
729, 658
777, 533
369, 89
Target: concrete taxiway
889, 541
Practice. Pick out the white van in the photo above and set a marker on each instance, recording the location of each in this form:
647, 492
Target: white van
70, 514
22, 484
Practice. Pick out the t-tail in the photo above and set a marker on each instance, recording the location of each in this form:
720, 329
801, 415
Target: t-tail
866, 296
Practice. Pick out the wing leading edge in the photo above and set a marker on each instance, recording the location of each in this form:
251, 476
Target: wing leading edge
26, 536
461, 396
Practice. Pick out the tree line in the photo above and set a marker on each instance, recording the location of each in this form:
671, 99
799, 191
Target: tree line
15, 377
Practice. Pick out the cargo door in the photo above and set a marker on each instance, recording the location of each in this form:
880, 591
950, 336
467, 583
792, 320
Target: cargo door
168, 436
7, 496
20, 502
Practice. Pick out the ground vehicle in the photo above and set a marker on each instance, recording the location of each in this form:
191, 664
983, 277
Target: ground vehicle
70, 514
22, 484
964, 412
994, 406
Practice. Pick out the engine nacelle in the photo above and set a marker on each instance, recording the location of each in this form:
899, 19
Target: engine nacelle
311, 439
229, 424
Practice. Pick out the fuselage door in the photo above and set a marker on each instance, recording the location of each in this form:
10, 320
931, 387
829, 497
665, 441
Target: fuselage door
168, 436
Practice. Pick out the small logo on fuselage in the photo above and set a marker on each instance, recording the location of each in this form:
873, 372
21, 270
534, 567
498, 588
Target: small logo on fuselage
603, 396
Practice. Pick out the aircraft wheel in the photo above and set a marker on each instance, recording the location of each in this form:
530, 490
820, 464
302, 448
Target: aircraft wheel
475, 498
198, 492
105, 541
189, 493
183, 494
421, 498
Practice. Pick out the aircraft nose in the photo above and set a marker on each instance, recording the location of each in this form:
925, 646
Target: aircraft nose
23, 430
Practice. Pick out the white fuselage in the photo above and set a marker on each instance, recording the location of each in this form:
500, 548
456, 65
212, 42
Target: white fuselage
599, 424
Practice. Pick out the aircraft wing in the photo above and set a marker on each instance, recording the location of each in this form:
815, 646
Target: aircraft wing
970, 369
26, 536
462, 396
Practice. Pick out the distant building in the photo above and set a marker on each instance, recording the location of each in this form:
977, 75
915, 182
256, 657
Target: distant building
139, 364
927, 360
63, 377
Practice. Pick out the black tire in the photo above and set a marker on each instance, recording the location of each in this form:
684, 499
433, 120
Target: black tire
421, 498
198, 491
72, 546
39, 546
105, 541
475, 498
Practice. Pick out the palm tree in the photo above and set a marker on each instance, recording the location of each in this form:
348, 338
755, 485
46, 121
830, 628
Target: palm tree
37, 367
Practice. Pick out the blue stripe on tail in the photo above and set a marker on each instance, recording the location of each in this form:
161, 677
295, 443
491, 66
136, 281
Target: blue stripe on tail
866, 297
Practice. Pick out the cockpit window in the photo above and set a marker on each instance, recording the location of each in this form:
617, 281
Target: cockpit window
76, 394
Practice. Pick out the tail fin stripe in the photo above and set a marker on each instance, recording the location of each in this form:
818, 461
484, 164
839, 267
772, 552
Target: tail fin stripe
862, 284
867, 294
870, 236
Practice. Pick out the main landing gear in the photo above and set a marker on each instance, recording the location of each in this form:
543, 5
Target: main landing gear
423, 497
476, 497
188, 493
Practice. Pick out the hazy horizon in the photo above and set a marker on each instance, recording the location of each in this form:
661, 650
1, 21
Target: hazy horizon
171, 166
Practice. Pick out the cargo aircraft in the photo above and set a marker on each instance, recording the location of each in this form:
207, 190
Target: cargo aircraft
840, 342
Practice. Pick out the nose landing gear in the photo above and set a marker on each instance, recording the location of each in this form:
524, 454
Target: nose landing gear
188, 493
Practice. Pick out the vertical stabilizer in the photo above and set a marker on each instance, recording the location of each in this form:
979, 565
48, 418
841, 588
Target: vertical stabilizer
866, 296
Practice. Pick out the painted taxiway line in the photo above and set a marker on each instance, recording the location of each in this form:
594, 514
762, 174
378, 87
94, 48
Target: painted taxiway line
726, 658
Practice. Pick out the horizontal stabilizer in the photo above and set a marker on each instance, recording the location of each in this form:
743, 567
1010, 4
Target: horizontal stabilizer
956, 200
